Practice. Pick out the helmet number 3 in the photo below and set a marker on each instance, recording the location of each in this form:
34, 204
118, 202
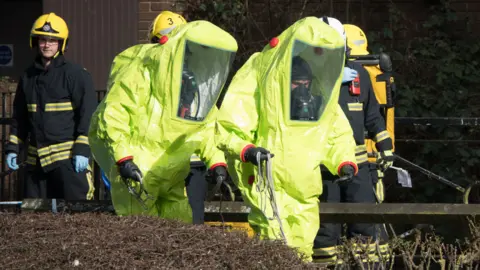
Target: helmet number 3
170, 21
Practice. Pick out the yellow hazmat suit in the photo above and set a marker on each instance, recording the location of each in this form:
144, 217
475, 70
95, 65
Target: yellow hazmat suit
257, 110
159, 110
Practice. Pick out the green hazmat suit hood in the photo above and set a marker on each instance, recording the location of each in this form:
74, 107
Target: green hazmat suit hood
317, 49
160, 109
121, 62
260, 109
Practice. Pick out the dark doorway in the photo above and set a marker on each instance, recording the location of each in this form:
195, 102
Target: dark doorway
16, 19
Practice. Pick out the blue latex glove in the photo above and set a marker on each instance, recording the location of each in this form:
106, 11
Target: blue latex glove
12, 161
106, 182
80, 162
349, 74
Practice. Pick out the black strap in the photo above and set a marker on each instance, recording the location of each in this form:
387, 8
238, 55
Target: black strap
325, 20
154, 40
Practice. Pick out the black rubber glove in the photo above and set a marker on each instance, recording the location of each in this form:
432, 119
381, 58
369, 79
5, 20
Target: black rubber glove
251, 154
128, 169
385, 159
219, 174
347, 171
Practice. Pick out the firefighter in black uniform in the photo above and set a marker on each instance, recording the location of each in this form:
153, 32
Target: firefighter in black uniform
361, 107
53, 105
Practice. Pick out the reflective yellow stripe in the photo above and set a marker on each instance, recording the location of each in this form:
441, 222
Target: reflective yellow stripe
383, 248
361, 158
32, 107
31, 160
380, 174
372, 258
55, 148
355, 106
82, 139
32, 150
382, 136
61, 106
360, 148
91, 187
327, 251
359, 248
14, 139
55, 157
361, 153
194, 158
32, 155
329, 260
380, 191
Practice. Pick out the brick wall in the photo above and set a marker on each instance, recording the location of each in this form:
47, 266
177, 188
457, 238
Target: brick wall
149, 9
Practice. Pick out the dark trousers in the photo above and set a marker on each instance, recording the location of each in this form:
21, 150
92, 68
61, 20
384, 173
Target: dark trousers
196, 191
359, 190
60, 183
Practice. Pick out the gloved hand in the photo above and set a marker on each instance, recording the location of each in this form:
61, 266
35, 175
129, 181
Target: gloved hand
128, 169
251, 154
349, 74
385, 160
80, 163
12, 161
219, 174
347, 170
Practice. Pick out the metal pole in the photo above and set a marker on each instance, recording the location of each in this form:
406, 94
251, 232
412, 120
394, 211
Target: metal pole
432, 175
6, 100
431, 121
4, 130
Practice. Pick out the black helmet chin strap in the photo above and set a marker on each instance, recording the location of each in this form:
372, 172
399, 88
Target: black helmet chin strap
325, 20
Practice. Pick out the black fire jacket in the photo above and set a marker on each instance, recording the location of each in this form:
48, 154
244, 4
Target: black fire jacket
52, 109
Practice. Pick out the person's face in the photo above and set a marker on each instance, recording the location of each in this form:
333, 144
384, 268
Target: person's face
48, 46
297, 83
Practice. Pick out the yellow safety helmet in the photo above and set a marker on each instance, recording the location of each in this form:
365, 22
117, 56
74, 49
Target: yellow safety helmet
356, 40
165, 22
50, 25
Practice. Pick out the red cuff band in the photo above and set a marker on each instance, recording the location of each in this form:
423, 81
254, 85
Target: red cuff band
218, 164
124, 159
242, 154
347, 163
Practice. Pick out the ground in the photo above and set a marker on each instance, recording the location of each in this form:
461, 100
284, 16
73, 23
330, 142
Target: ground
104, 241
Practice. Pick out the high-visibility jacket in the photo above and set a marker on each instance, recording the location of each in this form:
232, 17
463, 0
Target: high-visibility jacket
52, 108
363, 113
